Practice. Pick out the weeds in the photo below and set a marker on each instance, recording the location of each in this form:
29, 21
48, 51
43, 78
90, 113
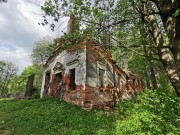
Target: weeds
152, 112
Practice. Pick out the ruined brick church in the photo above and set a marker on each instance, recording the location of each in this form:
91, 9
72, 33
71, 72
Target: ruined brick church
85, 75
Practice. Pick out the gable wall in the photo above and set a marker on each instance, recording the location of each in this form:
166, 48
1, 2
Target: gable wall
88, 92
69, 61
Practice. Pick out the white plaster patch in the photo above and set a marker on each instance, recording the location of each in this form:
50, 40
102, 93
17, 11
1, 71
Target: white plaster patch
65, 58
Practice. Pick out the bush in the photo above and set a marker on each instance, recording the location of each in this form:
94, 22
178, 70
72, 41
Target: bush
152, 112
36, 93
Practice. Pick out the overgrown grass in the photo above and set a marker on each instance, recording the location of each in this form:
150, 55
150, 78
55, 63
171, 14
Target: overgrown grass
152, 112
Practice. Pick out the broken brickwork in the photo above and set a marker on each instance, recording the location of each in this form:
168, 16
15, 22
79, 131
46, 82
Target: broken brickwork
86, 75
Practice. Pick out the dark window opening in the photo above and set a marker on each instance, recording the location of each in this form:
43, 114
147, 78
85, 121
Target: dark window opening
127, 79
47, 82
101, 77
133, 81
72, 79
59, 77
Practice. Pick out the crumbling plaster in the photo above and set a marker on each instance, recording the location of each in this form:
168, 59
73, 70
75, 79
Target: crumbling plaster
69, 61
88, 62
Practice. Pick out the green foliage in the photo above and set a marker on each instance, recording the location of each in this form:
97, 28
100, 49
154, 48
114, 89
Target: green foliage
139, 65
49, 116
82, 9
8, 71
71, 39
22, 79
177, 12
152, 112
164, 83
121, 21
42, 50
18, 84
11, 83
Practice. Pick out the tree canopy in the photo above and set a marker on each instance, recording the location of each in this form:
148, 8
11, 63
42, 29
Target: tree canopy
149, 28
8, 71
42, 50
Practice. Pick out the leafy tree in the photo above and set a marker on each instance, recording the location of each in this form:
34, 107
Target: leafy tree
164, 26
160, 18
22, 79
8, 71
42, 50
139, 66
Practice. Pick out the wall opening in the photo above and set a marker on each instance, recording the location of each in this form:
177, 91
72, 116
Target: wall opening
47, 82
127, 79
72, 79
101, 77
58, 77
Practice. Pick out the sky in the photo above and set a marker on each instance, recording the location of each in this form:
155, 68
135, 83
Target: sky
19, 30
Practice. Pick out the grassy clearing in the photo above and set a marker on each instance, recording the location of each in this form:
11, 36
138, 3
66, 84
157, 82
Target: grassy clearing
152, 112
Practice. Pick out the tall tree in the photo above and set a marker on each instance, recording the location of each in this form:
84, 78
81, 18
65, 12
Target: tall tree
21, 81
161, 17
42, 50
8, 71
168, 52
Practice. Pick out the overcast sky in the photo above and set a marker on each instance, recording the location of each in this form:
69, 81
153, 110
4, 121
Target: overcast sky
19, 29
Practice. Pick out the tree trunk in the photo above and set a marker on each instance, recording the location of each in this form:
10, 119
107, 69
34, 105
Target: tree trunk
153, 77
171, 69
29, 86
176, 47
148, 84
148, 56
165, 54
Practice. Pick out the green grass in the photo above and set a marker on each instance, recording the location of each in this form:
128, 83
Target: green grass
152, 112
